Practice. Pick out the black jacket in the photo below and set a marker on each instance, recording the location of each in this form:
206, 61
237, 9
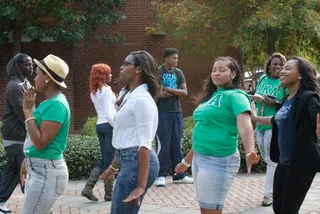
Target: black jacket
306, 154
13, 127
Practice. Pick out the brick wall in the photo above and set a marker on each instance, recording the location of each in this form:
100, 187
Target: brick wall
80, 60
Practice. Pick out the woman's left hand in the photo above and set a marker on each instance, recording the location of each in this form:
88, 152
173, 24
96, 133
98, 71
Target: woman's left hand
135, 195
29, 98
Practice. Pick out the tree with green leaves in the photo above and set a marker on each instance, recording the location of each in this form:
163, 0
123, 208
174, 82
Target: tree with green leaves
66, 21
257, 27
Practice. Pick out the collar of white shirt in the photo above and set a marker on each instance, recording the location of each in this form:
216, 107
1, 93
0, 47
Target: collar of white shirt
137, 91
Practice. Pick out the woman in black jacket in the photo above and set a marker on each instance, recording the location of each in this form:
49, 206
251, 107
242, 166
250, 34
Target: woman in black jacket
294, 140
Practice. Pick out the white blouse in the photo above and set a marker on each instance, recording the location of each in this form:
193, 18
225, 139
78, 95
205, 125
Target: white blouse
104, 103
136, 121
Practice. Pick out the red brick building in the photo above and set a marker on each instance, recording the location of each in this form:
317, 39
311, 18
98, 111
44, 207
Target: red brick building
80, 60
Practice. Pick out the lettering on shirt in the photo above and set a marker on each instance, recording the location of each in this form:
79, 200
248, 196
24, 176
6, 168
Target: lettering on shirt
283, 112
215, 100
266, 89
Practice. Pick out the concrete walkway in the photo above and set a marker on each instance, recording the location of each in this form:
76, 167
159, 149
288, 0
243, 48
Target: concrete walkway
244, 196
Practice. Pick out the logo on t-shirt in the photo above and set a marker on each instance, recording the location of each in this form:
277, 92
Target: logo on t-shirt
216, 100
170, 81
267, 89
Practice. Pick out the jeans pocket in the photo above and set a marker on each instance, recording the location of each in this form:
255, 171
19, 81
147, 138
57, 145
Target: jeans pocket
61, 183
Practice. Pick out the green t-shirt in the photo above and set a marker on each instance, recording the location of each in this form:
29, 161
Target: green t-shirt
215, 132
55, 109
268, 86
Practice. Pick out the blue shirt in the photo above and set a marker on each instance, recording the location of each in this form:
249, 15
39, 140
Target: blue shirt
286, 131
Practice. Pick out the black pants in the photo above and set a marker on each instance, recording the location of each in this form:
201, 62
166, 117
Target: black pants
11, 174
289, 189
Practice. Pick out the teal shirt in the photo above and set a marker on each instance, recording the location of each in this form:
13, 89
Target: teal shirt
215, 132
55, 109
268, 86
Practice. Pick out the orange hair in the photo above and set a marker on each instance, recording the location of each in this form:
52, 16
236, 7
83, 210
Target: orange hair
98, 75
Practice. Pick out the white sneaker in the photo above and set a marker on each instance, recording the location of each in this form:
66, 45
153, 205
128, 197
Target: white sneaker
185, 180
4, 210
161, 182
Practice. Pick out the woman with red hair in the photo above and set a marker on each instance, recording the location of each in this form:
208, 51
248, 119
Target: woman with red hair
104, 100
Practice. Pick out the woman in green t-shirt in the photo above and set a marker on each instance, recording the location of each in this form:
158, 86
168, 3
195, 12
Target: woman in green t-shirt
223, 112
48, 127
271, 92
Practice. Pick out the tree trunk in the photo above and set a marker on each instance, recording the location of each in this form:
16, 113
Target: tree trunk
272, 37
16, 39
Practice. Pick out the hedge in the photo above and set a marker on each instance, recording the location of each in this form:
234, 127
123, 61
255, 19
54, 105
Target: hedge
3, 157
83, 151
188, 124
81, 155
89, 128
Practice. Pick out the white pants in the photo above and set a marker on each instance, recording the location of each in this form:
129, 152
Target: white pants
264, 140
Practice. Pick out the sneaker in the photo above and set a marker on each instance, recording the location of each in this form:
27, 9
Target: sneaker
266, 201
185, 180
4, 210
161, 182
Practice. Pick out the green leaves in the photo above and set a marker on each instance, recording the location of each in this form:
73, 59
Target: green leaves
89, 128
64, 21
259, 26
81, 155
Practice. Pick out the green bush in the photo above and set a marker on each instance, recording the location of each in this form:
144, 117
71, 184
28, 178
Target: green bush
0, 133
83, 151
89, 127
82, 154
188, 124
3, 157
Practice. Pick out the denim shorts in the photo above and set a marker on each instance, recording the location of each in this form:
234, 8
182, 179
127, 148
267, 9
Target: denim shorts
46, 181
127, 179
213, 177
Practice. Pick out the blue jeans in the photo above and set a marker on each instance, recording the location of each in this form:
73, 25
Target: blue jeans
263, 139
127, 179
46, 181
169, 135
213, 177
104, 132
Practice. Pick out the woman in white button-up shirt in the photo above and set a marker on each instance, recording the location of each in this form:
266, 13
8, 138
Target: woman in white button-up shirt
136, 122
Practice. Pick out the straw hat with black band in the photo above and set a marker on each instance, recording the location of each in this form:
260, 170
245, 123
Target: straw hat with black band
55, 68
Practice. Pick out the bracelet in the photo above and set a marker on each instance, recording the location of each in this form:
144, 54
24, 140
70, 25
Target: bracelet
185, 163
114, 168
30, 118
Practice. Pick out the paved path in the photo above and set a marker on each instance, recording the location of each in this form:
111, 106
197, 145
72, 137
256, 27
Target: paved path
244, 197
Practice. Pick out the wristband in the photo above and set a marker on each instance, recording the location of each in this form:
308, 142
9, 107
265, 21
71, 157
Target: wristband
30, 118
185, 163
114, 168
